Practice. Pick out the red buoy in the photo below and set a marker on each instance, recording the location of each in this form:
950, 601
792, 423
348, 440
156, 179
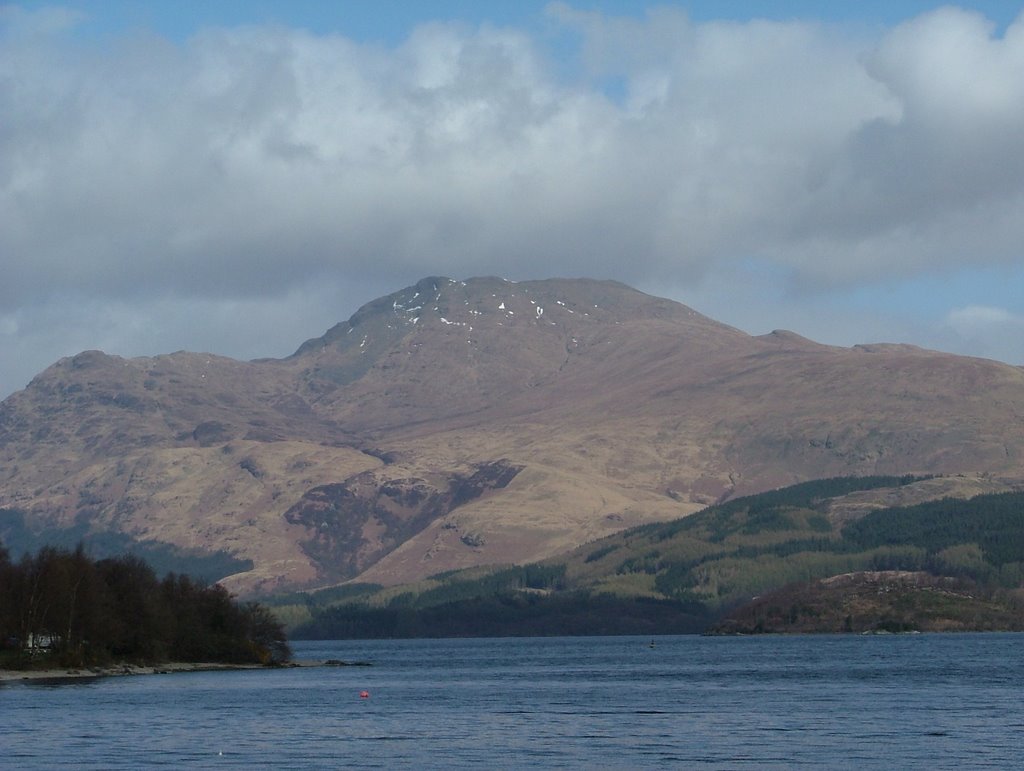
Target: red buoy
364, 694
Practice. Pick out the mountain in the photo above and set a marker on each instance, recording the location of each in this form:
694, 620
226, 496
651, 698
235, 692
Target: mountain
460, 423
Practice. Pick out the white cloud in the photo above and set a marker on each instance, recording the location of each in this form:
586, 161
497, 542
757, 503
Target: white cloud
974, 318
250, 163
988, 331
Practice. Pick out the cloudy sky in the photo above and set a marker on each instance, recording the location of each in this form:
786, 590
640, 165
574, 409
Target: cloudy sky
236, 177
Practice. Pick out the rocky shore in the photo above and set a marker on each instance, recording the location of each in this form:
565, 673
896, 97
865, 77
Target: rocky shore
120, 670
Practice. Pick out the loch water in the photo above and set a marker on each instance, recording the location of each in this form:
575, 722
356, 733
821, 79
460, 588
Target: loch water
916, 701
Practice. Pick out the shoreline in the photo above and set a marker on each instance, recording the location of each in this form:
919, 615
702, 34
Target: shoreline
126, 670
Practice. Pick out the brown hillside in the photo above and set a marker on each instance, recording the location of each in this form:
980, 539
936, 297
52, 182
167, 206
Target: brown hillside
569, 408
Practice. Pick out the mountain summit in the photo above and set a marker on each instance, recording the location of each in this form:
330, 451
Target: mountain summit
483, 421
453, 351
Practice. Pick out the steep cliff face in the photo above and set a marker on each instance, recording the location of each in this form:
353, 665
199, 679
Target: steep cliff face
613, 408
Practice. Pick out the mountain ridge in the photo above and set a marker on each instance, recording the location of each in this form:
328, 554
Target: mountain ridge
618, 408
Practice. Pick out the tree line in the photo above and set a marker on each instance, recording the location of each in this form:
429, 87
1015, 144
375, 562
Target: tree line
508, 614
60, 606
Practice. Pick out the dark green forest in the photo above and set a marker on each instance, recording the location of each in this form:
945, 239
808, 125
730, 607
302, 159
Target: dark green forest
60, 607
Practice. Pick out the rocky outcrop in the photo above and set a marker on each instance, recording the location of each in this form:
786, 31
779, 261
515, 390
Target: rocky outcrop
875, 602
352, 524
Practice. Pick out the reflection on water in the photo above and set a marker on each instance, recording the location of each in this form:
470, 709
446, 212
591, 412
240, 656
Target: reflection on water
926, 701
